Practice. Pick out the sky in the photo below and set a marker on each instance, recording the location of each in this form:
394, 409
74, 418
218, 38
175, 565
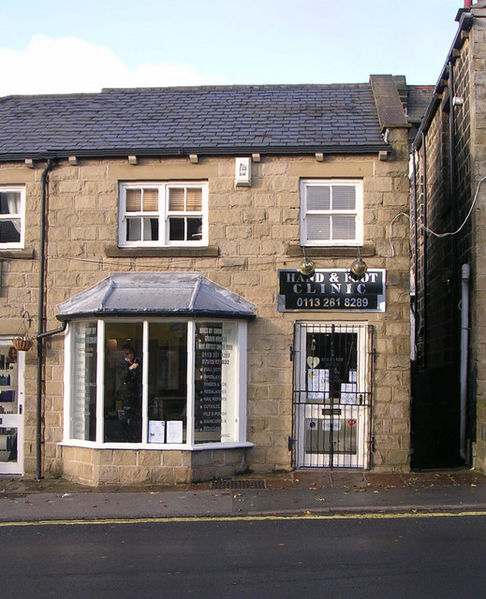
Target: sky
54, 46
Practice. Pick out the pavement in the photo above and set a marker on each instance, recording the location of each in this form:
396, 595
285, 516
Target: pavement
297, 493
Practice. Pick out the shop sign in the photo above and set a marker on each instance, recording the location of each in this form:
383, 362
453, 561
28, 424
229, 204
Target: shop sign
331, 290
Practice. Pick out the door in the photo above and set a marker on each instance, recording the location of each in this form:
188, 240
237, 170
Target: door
11, 409
332, 395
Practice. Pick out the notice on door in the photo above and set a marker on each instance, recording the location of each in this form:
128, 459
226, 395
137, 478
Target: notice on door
332, 290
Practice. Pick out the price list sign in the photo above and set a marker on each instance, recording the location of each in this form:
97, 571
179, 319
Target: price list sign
209, 347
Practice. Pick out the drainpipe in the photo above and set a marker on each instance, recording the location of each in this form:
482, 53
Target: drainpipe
457, 289
41, 317
423, 324
466, 272
414, 299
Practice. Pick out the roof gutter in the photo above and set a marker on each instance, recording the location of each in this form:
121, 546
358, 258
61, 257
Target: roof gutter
202, 151
64, 318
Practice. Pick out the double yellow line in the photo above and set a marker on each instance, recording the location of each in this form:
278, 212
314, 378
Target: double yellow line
270, 517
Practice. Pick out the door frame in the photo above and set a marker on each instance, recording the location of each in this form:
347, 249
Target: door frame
15, 420
331, 415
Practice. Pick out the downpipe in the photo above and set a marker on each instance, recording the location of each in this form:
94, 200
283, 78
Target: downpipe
466, 274
41, 317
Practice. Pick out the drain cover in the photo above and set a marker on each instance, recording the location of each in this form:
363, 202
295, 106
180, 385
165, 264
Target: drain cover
238, 484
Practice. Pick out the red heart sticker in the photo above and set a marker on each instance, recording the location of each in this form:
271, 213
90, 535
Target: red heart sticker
351, 422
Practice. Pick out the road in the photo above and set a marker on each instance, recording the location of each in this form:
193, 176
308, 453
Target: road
391, 557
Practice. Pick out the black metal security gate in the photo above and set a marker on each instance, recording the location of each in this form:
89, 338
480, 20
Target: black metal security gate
332, 395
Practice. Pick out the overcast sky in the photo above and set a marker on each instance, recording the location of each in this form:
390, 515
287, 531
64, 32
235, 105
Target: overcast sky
51, 46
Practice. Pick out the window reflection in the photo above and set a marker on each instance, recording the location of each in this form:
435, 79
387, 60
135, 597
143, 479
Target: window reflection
83, 377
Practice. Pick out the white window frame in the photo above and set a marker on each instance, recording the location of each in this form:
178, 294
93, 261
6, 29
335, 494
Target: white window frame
17, 216
163, 214
239, 391
305, 184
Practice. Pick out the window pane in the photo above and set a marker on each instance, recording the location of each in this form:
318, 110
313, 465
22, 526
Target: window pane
343, 227
193, 200
318, 227
344, 197
229, 384
150, 200
134, 200
194, 229
10, 231
167, 383
216, 384
176, 199
134, 226
83, 377
9, 202
208, 382
123, 382
176, 229
318, 197
150, 229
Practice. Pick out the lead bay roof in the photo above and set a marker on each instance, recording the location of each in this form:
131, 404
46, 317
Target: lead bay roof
156, 294
181, 120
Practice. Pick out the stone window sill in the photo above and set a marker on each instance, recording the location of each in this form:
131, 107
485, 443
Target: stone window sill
366, 251
20, 254
167, 252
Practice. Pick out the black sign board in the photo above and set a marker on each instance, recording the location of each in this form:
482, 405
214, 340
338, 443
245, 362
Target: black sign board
209, 344
331, 290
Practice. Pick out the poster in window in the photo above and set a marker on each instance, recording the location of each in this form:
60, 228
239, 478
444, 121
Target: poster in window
208, 387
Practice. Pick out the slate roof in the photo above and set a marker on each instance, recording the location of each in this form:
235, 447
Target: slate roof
156, 294
419, 97
182, 120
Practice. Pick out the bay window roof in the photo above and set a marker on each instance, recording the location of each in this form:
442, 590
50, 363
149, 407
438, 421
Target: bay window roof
156, 294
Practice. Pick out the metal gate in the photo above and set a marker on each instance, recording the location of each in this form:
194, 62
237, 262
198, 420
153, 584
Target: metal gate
332, 395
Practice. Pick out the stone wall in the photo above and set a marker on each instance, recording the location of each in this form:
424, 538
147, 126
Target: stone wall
478, 166
253, 229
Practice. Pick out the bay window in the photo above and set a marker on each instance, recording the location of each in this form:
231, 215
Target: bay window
167, 382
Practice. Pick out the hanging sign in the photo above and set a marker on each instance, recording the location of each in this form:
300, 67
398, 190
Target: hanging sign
331, 290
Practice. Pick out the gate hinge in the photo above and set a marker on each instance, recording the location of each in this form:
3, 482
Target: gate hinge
291, 350
291, 443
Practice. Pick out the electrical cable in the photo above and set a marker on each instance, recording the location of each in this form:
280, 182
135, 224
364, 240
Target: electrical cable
438, 235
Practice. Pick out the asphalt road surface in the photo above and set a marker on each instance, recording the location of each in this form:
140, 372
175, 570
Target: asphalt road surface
392, 557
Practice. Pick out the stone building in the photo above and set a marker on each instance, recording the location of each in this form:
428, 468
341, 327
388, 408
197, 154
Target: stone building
182, 258
448, 196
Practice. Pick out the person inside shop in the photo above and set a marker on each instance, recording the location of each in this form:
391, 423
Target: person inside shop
130, 393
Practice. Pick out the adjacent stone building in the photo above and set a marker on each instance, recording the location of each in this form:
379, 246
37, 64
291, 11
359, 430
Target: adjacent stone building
448, 197
182, 258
